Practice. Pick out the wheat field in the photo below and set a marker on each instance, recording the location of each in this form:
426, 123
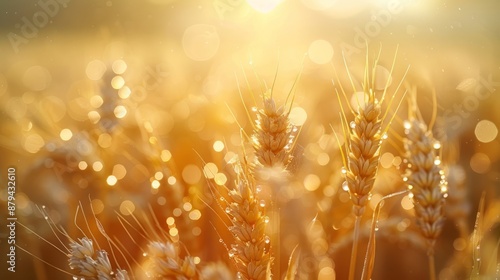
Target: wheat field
231, 139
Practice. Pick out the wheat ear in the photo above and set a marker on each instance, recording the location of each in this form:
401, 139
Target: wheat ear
426, 182
91, 264
363, 141
166, 263
250, 248
273, 135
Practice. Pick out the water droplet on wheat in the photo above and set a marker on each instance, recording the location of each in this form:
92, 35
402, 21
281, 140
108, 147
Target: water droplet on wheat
436, 145
262, 203
266, 219
352, 124
345, 186
267, 240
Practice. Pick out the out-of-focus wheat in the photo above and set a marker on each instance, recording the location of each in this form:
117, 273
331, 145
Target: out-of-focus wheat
426, 182
166, 263
90, 264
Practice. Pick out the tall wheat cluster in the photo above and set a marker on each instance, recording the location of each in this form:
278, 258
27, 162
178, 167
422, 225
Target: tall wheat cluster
256, 200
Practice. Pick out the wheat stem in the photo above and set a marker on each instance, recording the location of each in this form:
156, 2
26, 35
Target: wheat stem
432, 267
354, 252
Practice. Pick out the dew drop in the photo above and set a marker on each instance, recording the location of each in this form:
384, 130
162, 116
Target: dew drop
254, 109
407, 125
262, 203
266, 219
410, 187
258, 189
228, 210
345, 186
221, 199
144, 254
344, 170
405, 179
352, 124
385, 136
437, 161
220, 240
46, 217
436, 145
267, 240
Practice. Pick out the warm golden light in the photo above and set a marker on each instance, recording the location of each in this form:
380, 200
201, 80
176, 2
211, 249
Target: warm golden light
486, 131
264, 6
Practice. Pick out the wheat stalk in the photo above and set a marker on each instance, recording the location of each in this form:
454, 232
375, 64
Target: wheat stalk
426, 182
364, 137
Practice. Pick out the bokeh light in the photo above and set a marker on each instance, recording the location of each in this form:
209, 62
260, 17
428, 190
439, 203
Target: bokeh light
480, 163
200, 42
95, 70
66, 134
320, 52
486, 131
37, 78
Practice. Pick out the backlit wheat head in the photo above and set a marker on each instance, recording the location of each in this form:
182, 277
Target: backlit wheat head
273, 134
250, 248
166, 263
364, 134
90, 264
425, 180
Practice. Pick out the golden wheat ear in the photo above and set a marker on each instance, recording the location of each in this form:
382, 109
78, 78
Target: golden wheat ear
425, 179
364, 135
246, 221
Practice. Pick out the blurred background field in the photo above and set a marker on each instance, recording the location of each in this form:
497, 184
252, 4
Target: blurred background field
123, 105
